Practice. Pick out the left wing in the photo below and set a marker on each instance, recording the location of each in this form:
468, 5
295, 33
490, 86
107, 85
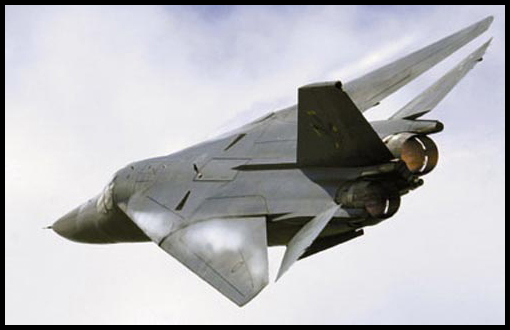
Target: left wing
228, 253
368, 90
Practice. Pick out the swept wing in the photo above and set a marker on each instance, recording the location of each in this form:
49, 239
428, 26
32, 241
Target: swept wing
368, 90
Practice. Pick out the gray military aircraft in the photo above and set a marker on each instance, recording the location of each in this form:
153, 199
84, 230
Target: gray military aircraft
310, 177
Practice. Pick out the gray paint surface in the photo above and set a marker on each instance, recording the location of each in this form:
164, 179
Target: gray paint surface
216, 206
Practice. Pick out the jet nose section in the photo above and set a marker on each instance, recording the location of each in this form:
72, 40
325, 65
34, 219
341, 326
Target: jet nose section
67, 225
83, 224
86, 224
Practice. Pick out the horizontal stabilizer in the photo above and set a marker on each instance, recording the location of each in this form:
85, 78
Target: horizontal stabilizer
305, 237
324, 243
429, 99
368, 90
228, 253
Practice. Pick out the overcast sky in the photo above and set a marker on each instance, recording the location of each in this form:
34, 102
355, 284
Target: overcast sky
90, 89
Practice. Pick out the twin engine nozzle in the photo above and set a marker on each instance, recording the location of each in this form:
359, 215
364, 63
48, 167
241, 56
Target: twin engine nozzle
419, 152
379, 199
378, 192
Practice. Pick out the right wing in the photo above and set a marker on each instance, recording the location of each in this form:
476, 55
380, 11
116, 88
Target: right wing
428, 100
368, 90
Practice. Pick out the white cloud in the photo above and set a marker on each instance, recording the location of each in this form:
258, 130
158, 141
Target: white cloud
89, 89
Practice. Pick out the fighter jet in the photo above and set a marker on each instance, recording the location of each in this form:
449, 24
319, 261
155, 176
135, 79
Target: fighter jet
308, 177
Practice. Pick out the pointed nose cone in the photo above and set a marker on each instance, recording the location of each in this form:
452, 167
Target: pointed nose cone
82, 225
67, 225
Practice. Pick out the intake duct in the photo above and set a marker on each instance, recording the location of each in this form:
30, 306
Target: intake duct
419, 152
